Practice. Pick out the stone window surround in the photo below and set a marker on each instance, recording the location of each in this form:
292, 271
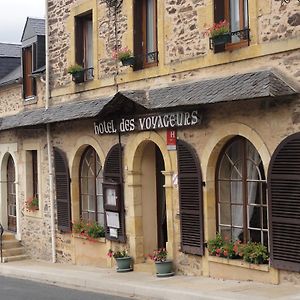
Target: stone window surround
76, 11
28, 182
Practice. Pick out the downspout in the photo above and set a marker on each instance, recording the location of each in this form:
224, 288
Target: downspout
49, 145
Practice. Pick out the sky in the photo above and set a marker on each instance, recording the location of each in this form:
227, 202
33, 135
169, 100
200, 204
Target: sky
13, 14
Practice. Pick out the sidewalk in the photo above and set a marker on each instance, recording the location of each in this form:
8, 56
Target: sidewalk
144, 285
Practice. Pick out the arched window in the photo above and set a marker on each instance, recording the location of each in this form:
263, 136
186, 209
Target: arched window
241, 193
91, 195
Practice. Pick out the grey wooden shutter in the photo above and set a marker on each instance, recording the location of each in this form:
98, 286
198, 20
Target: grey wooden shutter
284, 204
190, 199
113, 173
62, 183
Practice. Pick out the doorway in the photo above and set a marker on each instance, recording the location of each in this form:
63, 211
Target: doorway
153, 199
11, 195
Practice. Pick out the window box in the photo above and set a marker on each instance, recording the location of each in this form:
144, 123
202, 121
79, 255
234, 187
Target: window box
128, 61
78, 77
221, 39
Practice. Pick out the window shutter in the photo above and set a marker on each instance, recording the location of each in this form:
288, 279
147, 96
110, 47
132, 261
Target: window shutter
62, 182
284, 204
113, 173
190, 199
79, 53
219, 15
138, 34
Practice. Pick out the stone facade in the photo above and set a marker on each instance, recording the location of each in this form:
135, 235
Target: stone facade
184, 56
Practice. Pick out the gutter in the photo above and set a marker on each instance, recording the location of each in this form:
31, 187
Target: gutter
49, 144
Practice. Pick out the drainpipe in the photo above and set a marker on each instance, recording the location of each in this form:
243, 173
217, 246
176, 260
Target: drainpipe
49, 145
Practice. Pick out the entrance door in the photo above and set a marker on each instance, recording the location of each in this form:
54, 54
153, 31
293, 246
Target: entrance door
162, 233
11, 195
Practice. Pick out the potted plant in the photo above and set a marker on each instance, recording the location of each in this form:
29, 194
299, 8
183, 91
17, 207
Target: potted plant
124, 55
77, 73
32, 203
163, 265
123, 260
219, 33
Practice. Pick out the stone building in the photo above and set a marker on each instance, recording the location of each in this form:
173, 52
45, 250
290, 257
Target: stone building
192, 138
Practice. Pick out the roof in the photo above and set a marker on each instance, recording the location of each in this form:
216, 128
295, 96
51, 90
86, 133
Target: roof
260, 84
12, 77
10, 50
246, 86
59, 113
33, 27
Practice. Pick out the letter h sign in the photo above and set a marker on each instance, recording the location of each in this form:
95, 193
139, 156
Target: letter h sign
171, 139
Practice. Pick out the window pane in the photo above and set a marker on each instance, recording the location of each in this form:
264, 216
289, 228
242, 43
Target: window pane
254, 214
91, 202
89, 44
100, 204
255, 236
235, 15
225, 232
101, 219
237, 215
224, 191
236, 192
84, 203
225, 217
245, 13
265, 218
150, 29
253, 193
238, 234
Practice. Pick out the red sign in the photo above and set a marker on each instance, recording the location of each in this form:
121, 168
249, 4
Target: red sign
171, 139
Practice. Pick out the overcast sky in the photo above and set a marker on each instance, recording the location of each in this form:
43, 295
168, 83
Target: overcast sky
13, 14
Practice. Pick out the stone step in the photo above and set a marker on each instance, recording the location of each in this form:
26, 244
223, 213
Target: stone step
13, 251
8, 236
8, 244
14, 258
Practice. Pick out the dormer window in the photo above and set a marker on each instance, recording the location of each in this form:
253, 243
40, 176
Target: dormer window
84, 43
33, 55
29, 83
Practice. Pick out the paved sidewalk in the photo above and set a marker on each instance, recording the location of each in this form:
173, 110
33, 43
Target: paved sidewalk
144, 285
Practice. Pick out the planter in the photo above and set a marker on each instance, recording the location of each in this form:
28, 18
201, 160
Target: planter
124, 264
78, 77
164, 268
221, 39
128, 61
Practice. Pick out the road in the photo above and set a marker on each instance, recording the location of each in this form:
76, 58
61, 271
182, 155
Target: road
19, 289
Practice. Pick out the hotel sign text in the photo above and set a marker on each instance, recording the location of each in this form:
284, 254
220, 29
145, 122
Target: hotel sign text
148, 122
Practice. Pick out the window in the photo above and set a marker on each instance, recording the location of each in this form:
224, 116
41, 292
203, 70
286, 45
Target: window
29, 83
84, 43
241, 193
91, 194
35, 191
145, 33
236, 13
32, 189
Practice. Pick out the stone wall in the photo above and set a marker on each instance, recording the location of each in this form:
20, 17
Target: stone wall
278, 22
59, 41
186, 39
11, 100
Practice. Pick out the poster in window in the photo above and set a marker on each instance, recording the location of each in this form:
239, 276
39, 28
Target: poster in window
112, 219
111, 197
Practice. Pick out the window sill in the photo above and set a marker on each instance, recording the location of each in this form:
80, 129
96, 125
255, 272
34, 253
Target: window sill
83, 237
238, 263
30, 100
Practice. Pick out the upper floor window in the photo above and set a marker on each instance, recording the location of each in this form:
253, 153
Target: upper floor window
29, 82
84, 43
236, 13
145, 33
241, 190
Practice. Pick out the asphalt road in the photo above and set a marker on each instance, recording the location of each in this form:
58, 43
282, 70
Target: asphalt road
18, 289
